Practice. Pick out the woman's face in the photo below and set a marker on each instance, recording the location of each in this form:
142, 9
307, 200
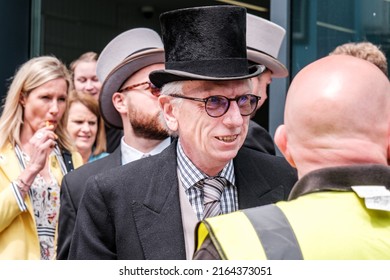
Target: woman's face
85, 79
44, 105
82, 126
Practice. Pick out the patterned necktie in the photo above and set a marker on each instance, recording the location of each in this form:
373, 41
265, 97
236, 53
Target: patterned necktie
146, 155
212, 191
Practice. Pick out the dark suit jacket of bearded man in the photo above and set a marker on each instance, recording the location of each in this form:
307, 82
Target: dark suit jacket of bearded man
133, 211
72, 189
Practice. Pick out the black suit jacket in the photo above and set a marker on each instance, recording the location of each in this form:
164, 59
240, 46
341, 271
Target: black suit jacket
133, 212
72, 189
259, 139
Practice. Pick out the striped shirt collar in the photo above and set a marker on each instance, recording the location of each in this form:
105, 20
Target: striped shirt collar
190, 174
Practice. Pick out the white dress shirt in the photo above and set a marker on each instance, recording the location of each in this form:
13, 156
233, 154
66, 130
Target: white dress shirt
131, 154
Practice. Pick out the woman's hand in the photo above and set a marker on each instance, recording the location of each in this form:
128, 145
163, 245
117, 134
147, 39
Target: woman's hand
42, 143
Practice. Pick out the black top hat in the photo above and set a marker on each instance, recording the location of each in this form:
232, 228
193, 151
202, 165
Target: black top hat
204, 43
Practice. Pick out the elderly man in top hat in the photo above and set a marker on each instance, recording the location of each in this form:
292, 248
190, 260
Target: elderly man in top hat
128, 100
263, 39
148, 209
339, 208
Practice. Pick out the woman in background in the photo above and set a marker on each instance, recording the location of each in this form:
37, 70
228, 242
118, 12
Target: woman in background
85, 80
33, 144
85, 126
84, 77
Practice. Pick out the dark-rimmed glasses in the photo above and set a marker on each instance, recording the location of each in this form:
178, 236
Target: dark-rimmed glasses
151, 88
217, 105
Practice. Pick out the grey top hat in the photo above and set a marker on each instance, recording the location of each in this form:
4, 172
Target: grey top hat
204, 43
263, 39
122, 57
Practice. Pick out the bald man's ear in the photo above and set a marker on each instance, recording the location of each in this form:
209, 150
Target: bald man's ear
280, 139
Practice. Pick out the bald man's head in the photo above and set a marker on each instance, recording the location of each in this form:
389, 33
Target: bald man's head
337, 112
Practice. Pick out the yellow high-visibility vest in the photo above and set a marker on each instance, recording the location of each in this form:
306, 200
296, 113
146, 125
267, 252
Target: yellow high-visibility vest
325, 225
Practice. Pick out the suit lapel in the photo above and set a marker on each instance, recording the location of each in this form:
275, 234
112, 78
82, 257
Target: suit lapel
115, 158
253, 189
158, 217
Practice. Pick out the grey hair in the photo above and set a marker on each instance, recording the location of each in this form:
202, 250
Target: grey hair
172, 88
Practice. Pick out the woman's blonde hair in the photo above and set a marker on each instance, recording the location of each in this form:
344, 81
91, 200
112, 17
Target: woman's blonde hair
32, 74
85, 57
91, 103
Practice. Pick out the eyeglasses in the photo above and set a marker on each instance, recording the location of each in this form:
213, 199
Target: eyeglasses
151, 88
217, 105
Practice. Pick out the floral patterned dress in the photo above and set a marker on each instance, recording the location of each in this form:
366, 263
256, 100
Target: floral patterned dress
45, 196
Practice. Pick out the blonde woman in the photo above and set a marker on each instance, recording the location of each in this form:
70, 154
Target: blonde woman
85, 126
33, 144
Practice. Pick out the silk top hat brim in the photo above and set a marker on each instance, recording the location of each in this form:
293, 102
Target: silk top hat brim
204, 43
118, 76
161, 77
264, 39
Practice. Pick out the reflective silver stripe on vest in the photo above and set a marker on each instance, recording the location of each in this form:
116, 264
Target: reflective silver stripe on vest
275, 233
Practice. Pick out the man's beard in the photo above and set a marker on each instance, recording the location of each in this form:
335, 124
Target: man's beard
146, 126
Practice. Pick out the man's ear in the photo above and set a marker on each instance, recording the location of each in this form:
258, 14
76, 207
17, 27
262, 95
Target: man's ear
169, 112
119, 102
281, 140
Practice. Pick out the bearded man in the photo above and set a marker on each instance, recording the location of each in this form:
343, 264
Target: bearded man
128, 100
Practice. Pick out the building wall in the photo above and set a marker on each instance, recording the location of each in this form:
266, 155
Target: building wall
15, 39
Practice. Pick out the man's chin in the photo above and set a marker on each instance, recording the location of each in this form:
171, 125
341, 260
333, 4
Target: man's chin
152, 134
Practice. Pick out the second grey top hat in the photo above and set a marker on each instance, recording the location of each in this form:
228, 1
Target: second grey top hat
127, 53
204, 43
263, 39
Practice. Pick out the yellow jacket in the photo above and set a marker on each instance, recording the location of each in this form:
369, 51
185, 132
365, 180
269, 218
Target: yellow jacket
18, 233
